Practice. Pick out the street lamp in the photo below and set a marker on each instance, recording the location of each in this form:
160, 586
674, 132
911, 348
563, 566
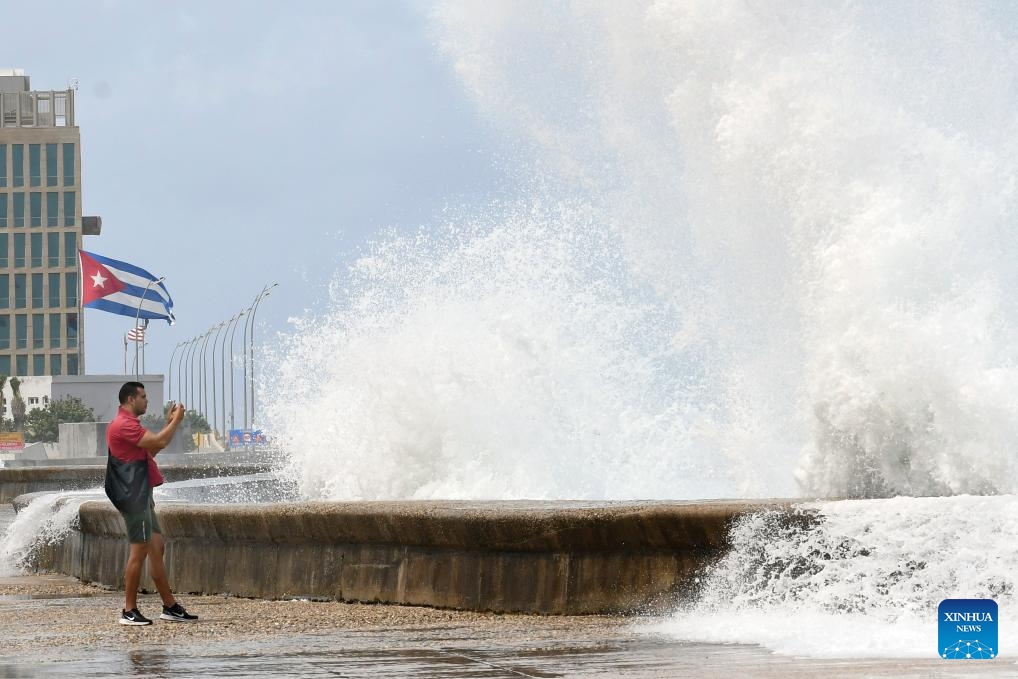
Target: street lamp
215, 339
195, 389
233, 333
188, 386
249, 347
169, 373
203, 393
222, 366
181, 391
137, 316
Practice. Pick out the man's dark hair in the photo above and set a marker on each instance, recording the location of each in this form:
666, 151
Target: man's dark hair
128, 390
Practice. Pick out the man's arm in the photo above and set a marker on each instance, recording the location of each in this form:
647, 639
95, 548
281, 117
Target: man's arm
153, 443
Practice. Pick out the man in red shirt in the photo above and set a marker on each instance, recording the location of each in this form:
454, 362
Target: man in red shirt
130, 442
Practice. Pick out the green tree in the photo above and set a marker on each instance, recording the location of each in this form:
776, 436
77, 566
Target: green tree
17, 405
193, 423
43, 424
3, 399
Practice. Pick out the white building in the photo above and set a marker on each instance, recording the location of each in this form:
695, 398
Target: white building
98, 392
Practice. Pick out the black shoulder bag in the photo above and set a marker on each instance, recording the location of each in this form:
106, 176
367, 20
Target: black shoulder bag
127, 484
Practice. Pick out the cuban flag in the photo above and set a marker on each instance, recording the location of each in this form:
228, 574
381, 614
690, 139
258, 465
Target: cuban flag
122, 288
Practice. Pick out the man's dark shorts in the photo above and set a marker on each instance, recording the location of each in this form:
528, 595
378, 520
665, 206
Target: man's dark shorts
141, 525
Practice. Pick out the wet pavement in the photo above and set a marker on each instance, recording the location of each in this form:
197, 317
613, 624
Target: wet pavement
52, 626
548, 647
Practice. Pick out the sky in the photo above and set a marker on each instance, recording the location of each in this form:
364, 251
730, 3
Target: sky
228, 149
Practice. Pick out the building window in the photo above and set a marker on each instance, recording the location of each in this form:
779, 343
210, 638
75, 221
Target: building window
52, 208
33, 400
39, 364
72, 364
5, 369
18, 161
71, 292
51, 164
21, 364
38, 331
34, 165
36, 252
54, 331
5, 292
19, 250
35, 208
19, 209
68, 164
3, 170
53, 248
71, 336
20, 291
54, 290
55, 368
38, 295
3, 210
70, 248
5, 339
21, 333
68, 209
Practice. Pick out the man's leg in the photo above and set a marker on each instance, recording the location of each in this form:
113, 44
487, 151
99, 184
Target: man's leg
157, 569
132, 573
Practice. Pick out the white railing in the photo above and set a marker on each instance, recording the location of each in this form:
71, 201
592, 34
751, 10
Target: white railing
37, 109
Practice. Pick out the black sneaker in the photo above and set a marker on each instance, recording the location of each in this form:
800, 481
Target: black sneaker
133, 617
177, 613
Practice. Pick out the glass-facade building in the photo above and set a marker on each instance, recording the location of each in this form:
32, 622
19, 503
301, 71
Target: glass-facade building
41, 228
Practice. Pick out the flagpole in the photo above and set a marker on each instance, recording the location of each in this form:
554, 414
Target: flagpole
125, 354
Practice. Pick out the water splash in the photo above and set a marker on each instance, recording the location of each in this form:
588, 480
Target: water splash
781, 267
47, 519
857, 578
515, 359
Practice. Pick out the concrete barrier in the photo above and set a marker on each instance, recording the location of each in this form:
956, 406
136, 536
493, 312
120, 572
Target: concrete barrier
21, 480
546, 557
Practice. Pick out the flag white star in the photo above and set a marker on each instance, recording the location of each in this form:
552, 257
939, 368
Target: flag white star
98, 280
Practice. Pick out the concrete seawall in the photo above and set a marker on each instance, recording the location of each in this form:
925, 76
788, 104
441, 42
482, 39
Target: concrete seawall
534, 557
21, 480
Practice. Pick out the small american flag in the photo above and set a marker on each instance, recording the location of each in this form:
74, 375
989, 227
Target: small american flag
136, 334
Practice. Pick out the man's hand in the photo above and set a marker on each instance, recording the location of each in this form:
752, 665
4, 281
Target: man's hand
175, 414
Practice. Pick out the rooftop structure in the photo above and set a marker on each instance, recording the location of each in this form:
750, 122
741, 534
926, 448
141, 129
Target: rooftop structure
20, 106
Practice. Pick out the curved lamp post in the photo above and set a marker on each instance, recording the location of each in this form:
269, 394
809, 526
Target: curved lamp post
248, 340
189, 392
181, 391
137, 316
233, 333
222, 366
169, 373
195, 393
203, 385
253, 311
215, 420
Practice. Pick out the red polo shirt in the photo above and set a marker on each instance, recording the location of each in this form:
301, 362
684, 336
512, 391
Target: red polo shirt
122, 437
